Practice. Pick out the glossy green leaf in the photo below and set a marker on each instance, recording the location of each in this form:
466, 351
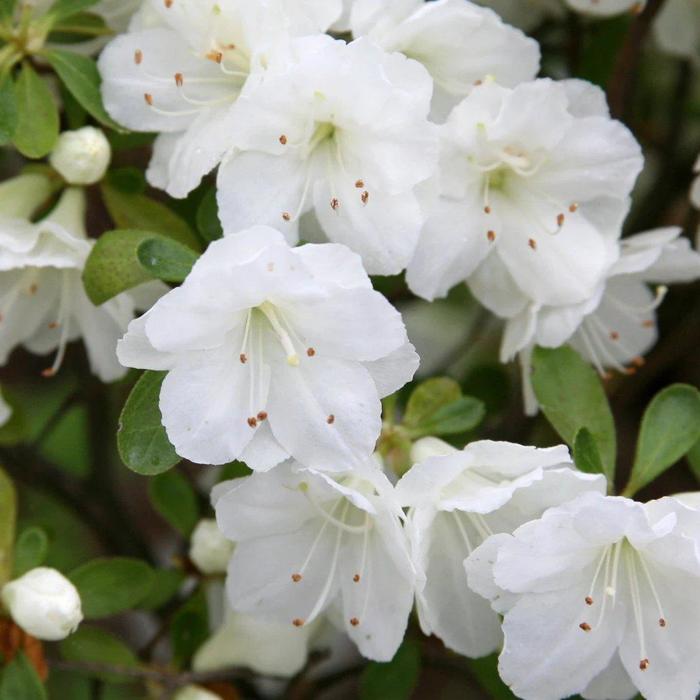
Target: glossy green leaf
9, 116
670, 428
571, 396
428, 397
67, 444
694, 459
166, 584
19, 681
457, 417
31, 549
166, 259
80, 75
189, 628
8, 518
78, 28
91, 645
62, 9
142, 441
37, 116
394, 680
68, 685
586, 454
208, 223
174, 498
110, 586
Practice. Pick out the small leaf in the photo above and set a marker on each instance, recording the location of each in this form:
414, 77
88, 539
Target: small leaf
80, 75
166, 259
113, 266
128, 180
37, 115
92, 645
208, 223
111, 586
166, 584
67, 8
142, 441
175, 500
694, 459
571, 395
19, 681
428, 397
31, 549
670, 428
457, 417
586, 455
137, 211
8, 110
8, 517
394, 680
189, 628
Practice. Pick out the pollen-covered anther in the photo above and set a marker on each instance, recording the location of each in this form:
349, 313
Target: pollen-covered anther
179, 79
585, 627
478, 82
168, 3
335, 204
354, 621
532, 243
644, 664
487, 210
296, 578
662, 622
53, 325
253, 422
365, 197
262, 416
215, 56
331, 419
138, 57
491, 235
149, 98
560, 220
356, 578
648, 324
33, 289
50, 372
286, 216
573, 207
614, 335
360, 184
310, 352
298, 622
243, 358
283, 139
589, 600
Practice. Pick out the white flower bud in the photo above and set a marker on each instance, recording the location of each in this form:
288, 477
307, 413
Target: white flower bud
44, 603
430, 447
209, 549
82, 157
195, 692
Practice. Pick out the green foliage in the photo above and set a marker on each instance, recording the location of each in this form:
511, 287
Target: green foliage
142, 441
208, 223
189, 628
485, 670
394, 680
68, 685
31, 549
586, 454
96, 646
8, 517
694, 459
9, 115
166, 259
37, 124
166, 584
62, 9
670, 428
67, 444
571, 395
111, 586
19, 681
175, 500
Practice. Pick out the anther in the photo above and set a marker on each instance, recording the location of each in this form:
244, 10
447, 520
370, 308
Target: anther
648, 324
215, 56
335, 204
262, 416
573, 207
487, 210
356, 578
149, 99
168, 3
243, 358
589, 600
50, 372
365, 197
253, 422
532, 243
310, 352
614, 335
283, 140
638, 361
286, 216
630, 371
354, 621
585, 627
298, 622
33, 289
331, 419
53, 325
296, 578
179, 79
138, 57
662, 622
491, 235
560, 220
360, 184
644, 664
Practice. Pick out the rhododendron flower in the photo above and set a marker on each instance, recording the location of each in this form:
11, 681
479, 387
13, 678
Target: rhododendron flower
677, 28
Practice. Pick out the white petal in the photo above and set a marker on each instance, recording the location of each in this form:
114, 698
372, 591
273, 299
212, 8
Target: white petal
394, 370
611, 684
494, 286
135, 350
334, 265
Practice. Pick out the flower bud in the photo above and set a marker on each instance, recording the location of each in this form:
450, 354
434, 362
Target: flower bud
430, 447
195, 692
44, 603
209, 549
82, 156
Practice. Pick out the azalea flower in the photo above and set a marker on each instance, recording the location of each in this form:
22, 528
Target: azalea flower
341, 130
458, 42
457, 499
43, 305
617, 325
534, 184
180, 77
273, 351
309, 543
677, 28
600, 596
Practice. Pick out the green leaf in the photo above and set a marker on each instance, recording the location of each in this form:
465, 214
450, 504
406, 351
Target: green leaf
571, 395
189, 628
113, 266
586, 455
694, 459
394, 680
457, 417
68, 685
166, 584
166, 259
78, 28
20, 681
9, 116
67, 8
208, 223
485, 670
129, 180
8, 517
670, 428
111, 586
67, 446
37, 115
175, 500
428, 397
7, 9
92, 645
31, 549
80, 75
142, 441
137, 211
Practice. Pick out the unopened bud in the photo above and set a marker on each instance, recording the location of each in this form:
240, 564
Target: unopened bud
82, 157
210, 551
44, 603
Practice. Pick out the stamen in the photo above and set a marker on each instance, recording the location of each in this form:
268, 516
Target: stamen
354, 621
298, 622
491, 235
365, 197
296, 578
253, 422
532, 243
463, 532
283, 140
284, 338
179, 79
335, 204
262, 416
138, 57
63, 319
310, 352
360, 184
585, 627
331, 419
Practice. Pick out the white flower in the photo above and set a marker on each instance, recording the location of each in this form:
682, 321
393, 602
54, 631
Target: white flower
458, 42
526, 14
458, 499
180, 75
195, 692
617, 325
44, 604
5, 411
340, 130
273, 351
210, 551
534, 185
43, 305
307, 544
599, 596
607, 8
677, 28
82, 157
